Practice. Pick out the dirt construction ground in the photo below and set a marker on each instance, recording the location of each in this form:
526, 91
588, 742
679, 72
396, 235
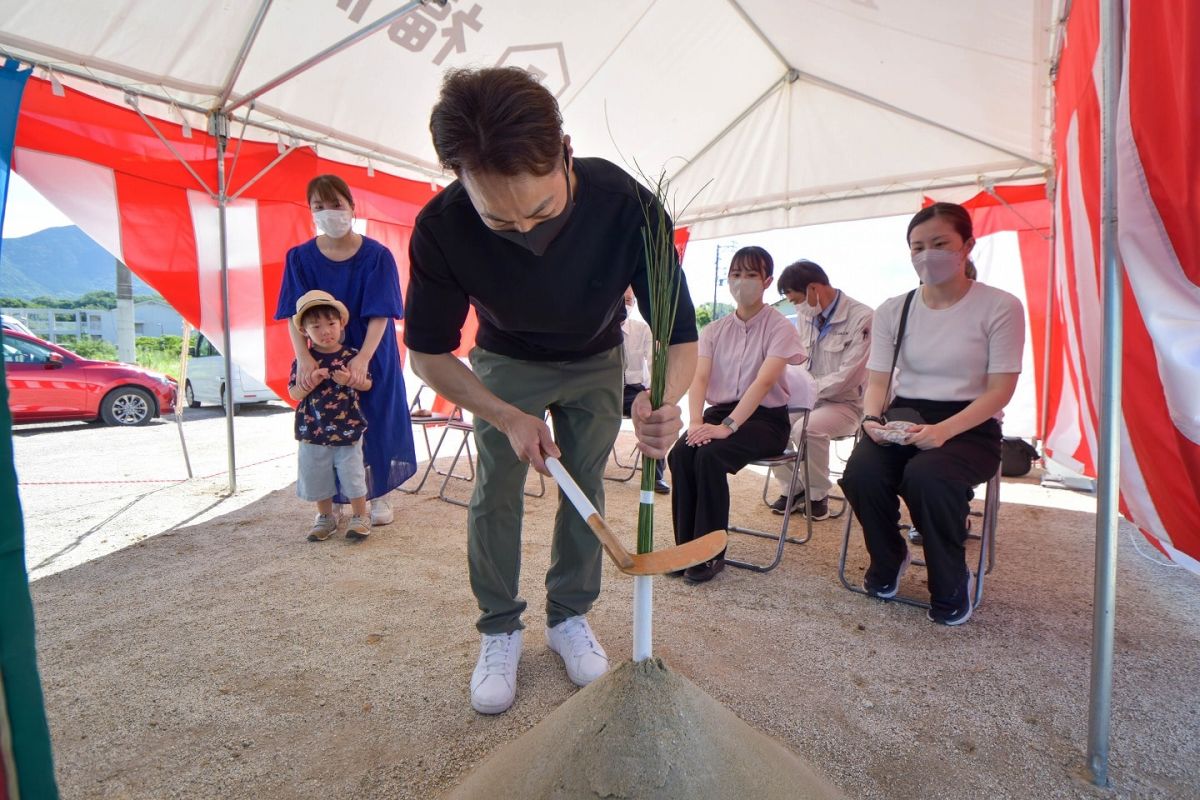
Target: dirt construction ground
193, 645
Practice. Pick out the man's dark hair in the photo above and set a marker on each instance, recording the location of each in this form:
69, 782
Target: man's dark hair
754, 258
319, 312
797, 277
498, 120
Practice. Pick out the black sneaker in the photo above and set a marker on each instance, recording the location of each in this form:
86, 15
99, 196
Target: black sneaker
780, 504
705, 571
886, 591
959, 615
820, 509
662, 487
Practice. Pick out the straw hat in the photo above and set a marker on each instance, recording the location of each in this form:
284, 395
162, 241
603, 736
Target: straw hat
314, 299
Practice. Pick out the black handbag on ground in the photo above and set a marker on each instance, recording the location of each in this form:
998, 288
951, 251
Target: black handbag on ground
1016, 457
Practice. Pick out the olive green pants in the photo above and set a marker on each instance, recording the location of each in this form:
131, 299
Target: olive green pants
584, 400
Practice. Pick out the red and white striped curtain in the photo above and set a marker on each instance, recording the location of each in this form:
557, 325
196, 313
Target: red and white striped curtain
1158, 191
104, 167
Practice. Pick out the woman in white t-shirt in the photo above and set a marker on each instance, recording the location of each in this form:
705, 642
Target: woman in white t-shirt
957, 368
740, 375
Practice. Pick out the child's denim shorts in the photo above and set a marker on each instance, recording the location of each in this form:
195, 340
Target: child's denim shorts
320, 463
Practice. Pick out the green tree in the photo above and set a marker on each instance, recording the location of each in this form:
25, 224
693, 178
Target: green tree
96, 349
704, 314
97, 299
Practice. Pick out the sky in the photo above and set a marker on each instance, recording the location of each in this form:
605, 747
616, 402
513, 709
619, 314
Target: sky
868, 259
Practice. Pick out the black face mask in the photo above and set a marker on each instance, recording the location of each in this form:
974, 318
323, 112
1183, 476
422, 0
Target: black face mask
539, 237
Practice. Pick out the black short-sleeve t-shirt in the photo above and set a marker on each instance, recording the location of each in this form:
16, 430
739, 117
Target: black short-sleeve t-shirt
563, 305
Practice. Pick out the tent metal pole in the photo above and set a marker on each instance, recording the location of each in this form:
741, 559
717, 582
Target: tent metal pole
238, 63
1051, 285
1108, 467
328, 52
220, 130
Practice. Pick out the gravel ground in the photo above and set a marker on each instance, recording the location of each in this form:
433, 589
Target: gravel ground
192, 645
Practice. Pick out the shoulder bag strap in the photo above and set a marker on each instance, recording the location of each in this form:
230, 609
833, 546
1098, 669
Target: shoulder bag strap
896, 344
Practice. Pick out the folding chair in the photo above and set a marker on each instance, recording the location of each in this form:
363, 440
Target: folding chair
425, 422
987, 547
634, 467
795, 457
467, 429
832, 497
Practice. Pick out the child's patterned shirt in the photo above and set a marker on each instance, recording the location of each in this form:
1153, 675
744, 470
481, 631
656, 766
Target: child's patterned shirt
330, 414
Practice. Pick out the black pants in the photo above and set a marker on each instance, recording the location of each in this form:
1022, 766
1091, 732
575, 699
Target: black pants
700, 495
937, 486
632, 390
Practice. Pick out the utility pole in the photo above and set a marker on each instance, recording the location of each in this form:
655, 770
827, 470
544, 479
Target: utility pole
717, 273
126, 346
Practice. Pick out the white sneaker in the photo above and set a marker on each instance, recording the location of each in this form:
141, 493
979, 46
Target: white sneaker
381, 512
494, 682
583, 656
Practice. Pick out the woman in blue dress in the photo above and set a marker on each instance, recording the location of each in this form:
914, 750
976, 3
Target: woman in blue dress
361, 273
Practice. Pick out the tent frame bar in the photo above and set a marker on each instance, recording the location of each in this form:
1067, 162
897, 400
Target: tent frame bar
783, 80
166, 100
132, 103
240, 61
762, 37
326, 54
1108, 468
790, 204
793, 74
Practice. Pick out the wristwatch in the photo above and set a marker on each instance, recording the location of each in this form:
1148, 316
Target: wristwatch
730, 423
873, 418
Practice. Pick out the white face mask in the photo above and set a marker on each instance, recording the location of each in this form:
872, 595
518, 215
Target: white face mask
937, 266
333, 222
746, 291
806, 310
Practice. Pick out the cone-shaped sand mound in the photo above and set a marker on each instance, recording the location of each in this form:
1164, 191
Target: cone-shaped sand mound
644, 732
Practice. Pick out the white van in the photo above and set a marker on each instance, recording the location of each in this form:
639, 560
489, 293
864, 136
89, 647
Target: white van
206, 379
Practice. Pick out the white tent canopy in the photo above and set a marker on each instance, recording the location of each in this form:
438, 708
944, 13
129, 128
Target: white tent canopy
779, 112
775, 113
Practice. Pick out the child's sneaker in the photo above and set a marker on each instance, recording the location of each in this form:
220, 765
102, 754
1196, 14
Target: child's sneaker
359, 528
324, 526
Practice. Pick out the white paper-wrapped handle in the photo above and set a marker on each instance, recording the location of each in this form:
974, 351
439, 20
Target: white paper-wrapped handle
570, 488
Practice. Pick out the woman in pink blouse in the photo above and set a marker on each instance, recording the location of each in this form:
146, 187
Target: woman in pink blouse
740, 375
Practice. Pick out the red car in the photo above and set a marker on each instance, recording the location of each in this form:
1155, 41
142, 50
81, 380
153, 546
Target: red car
47, 383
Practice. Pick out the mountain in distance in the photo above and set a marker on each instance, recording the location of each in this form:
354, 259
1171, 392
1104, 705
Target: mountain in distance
58, 262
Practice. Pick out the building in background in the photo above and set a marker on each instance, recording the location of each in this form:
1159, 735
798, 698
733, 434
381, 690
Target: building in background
151, 317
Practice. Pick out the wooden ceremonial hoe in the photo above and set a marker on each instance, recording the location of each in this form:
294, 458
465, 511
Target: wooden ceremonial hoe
658, 562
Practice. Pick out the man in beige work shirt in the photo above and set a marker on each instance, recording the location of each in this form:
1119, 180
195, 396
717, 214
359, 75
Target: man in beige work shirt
836, 332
